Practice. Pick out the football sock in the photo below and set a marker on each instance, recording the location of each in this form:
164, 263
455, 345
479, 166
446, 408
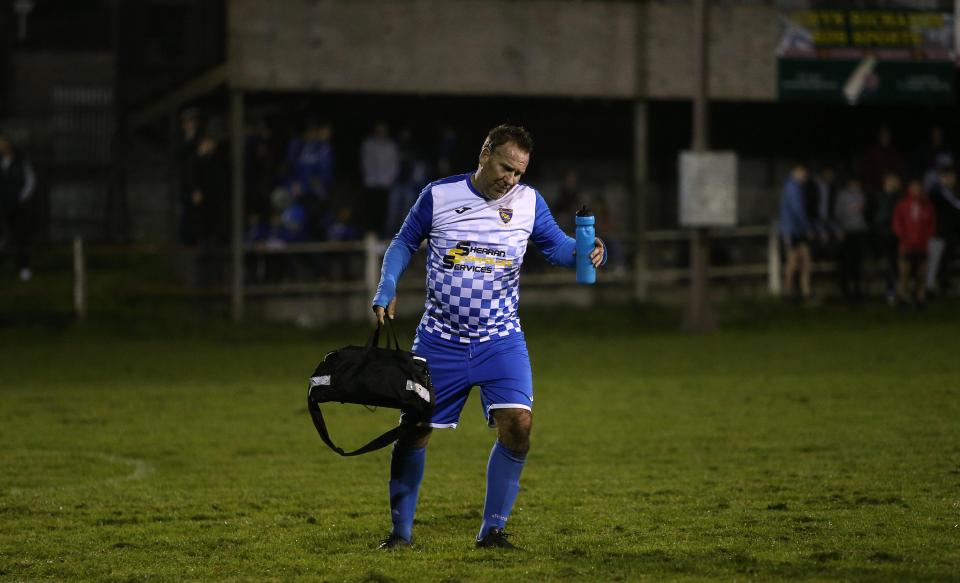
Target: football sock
503, 485
406, 473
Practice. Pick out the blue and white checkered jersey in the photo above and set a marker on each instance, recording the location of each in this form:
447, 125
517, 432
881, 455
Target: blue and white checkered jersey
476, 247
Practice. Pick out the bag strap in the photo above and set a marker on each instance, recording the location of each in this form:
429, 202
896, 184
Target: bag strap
375, 444
374, 339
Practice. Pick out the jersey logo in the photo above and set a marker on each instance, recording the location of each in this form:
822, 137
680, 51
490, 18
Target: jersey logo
505, 214
461, 210
467, 257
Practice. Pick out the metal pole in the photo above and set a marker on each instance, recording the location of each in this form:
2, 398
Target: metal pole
699, 313
237, 161
641, 276
641, 189
79, 280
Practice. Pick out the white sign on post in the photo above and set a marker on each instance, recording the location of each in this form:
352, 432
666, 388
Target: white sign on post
708, 189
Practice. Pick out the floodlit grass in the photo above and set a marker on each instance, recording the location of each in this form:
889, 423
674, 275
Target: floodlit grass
793, 444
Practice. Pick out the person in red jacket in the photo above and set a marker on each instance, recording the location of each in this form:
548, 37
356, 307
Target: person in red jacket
914, 222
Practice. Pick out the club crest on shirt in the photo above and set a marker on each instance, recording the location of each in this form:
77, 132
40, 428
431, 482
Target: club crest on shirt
505, 214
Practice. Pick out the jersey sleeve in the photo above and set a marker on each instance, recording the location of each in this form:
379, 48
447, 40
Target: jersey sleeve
416, 228
557, 247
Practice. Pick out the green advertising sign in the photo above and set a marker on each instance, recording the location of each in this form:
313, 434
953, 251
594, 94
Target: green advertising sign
877, 52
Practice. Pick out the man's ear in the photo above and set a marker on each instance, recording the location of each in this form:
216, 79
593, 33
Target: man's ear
484, 155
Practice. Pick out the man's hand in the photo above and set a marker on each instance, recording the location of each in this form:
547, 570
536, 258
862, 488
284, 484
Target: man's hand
596, 256
391, 311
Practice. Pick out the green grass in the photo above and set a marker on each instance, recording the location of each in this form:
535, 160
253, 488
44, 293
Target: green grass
793, 444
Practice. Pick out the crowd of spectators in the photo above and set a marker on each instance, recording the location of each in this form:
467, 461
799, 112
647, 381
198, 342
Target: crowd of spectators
295, 189
898, 213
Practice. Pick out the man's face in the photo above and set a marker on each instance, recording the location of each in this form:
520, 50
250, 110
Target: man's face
891, 183
915, 189
501, 169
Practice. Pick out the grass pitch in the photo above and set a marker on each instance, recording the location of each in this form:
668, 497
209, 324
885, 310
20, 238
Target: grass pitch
793, 444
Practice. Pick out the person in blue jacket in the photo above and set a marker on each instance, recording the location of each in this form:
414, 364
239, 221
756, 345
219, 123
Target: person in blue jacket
796, 229
477, 226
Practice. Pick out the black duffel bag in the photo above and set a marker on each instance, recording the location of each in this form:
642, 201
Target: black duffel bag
374, 377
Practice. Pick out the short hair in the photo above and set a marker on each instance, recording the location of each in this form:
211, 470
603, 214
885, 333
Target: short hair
504, 133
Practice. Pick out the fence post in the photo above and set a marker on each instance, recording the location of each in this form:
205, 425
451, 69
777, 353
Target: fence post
79, 280
773, 261
371, 264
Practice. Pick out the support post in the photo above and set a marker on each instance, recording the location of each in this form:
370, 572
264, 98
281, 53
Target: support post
641, 186
699, 316
641, 275
236, 165
773, 261
79, 280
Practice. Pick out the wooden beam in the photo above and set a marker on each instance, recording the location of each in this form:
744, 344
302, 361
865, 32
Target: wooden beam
200, 85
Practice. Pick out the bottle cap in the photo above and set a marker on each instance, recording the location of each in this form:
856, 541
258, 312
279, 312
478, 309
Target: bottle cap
584, 212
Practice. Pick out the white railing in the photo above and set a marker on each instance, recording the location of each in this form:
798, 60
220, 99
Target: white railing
372, 251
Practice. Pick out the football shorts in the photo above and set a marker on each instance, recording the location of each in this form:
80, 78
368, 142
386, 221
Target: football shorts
499, 366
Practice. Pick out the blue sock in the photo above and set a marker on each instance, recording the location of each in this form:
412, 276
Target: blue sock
406, 473
503, 485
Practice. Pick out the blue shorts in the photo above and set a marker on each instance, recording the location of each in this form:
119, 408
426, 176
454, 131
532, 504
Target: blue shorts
499, 366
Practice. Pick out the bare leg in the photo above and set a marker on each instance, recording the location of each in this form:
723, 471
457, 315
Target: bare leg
513, 428
790, 270
415, 437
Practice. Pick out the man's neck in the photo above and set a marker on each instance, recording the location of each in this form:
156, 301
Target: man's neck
476, 186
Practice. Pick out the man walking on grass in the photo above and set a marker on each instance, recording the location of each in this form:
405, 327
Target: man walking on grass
477, 227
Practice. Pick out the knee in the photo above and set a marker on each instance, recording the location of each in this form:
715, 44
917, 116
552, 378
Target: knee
513, 429
414, 437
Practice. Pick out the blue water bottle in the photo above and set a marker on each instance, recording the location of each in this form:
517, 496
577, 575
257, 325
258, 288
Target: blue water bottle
586, 272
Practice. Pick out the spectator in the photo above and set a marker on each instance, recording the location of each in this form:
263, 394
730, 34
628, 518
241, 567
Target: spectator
826, 184
795, 231
884, 241
943, 245
821, 193
295, 227
342, 227
211, 191
261, 167
339, 264
849, 212
258, 229
17, 185
191, 220
310, 172
879, 160
930, 158
310, 159
413, 177
914, 221
380, 160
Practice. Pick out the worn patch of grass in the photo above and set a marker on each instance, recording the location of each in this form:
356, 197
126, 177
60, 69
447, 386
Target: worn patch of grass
792, 444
